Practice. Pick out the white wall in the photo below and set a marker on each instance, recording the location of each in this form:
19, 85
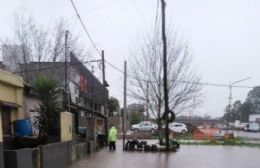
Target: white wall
254, 117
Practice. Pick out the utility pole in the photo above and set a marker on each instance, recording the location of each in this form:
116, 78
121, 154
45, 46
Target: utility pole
230, 100
104, 93
67, 72
92, 90
147, 100
164, 39
104, 82
229, 106
125, 110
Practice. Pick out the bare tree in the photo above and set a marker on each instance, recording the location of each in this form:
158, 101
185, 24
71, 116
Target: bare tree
147, 70
41, 44
22, 30
36, 43
58, 41
10, 55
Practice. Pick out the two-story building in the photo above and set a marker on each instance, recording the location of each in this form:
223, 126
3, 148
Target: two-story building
87, 95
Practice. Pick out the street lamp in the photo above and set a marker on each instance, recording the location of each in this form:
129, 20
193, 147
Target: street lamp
231, 85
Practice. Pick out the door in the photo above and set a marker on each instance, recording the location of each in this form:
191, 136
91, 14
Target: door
6, 123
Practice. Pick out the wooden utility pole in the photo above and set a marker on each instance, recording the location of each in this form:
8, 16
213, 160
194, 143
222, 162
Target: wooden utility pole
92, 90
67, 72
104, 83
165, 81
125, 108
104, 93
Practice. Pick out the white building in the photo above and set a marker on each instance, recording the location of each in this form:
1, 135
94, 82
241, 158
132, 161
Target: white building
254, 118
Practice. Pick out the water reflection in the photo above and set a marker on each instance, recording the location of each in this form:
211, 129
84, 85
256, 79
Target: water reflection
186, 157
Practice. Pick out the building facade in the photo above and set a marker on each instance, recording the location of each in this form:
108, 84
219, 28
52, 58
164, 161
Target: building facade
87, 95
254, 118
11, 103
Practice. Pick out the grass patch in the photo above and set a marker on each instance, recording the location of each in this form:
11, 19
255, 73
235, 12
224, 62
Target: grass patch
229, 142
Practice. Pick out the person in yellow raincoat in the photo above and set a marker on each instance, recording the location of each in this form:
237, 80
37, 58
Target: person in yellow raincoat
112, 137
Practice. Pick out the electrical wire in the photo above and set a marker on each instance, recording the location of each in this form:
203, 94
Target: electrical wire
196, 83
155, 23
119, 70
138, 10
84, 27
98, 7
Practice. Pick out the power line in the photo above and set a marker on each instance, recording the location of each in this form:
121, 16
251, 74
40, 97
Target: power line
138, 10
89, 36
113, 66
216, 84
113, 16
84, 27
196, 83
156, 20
116, 81
119, 70
102, 6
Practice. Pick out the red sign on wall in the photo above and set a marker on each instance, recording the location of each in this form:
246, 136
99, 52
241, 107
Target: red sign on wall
83, 84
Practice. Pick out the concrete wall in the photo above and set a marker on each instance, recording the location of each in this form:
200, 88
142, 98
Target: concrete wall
81, 150
57, 155
1, 129
66, 126
1, 155
91, 147
1, 144
91, 129
21, 158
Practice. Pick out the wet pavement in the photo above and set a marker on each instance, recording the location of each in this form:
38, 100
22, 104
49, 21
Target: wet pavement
188, 156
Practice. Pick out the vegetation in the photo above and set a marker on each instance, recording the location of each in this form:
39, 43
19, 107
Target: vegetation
32, 42
241, 111
48, 119
147, 76
136, 112
113, 105
235, 142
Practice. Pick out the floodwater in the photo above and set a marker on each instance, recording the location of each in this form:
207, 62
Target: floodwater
189, 156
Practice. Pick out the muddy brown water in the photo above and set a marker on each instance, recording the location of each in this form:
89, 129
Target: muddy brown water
187, 157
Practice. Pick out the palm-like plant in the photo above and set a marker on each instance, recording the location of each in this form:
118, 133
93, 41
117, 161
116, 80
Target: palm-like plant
47, 90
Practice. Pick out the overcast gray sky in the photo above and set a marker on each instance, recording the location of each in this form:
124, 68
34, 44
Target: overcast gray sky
223, 35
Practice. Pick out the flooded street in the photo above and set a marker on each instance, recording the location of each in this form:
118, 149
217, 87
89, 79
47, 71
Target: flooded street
186, 157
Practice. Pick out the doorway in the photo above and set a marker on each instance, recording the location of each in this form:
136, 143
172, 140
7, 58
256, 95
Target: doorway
6, 125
